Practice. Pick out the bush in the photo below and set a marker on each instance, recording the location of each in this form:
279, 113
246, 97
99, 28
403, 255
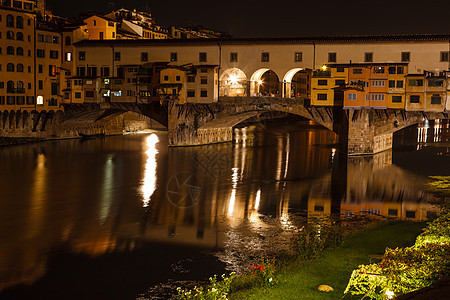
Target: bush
215, 290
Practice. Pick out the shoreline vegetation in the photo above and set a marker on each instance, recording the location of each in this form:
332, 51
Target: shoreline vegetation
375, 261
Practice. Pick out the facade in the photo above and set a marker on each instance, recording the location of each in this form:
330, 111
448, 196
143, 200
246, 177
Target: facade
101, 28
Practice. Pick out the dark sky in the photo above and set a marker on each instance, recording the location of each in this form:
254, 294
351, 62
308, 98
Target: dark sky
253, 18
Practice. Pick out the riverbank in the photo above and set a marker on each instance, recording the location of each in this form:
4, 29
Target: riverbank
299, 279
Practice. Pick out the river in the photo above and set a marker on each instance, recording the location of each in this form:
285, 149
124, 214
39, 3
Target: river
109, 218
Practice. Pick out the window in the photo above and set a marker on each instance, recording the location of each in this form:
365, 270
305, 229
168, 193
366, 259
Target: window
40, 68
101, 35
400, 70
341, 70
191, 93
173, 56
30, 100
19, 68
19, 22
10, 100
81, 55
19, 51
68, 56
298, 56
29, 85
391, 83
40, 53
166, 78
2, 85
52, 70
411, 214
351, 97
415, 82
339, 82
377, 97
10, 87
117, 56
367, 97
78, 95
191, 78
233, 57
29, 52
48, 38
10, 50
9, 35
392, 212
396, 99
10, 67
378, 70
144, 56
332, 56
368, 56
178, 78
435, 82
321, 96
92, 71
2, 100
265, 56
414, 99
436, 99
68, 41
19, 36
40, 84
53, 54
357, 71
322, 82
203, 93
20, 100
40, 38
391, 70
104, 72
203, 70
203, 80
9, 21
202, 56
444, 55
54, 87
406, 56
89, 94
81, 71
379, 83
399, 84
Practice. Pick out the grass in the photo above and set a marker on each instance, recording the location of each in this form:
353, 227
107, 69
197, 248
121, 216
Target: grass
300, 279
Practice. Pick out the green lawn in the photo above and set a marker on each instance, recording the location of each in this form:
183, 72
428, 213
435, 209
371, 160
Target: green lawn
299, 280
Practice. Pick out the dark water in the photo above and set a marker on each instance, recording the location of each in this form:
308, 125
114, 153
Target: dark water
109, 218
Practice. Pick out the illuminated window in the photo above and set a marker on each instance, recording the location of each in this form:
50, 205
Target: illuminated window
378, 70
68, 56
415, 82
40, 100
298, 56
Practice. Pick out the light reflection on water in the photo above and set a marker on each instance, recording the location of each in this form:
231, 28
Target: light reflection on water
107, 195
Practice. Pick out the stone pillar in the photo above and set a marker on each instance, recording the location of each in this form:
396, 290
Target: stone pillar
357, 134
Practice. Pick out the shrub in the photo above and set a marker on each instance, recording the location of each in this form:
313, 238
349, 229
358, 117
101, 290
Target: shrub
215, 290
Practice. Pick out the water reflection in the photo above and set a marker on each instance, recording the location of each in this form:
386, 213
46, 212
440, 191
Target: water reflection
250, 196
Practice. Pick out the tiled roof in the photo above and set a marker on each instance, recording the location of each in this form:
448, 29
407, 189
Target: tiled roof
287, 40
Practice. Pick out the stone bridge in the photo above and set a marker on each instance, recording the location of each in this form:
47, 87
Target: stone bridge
360, 131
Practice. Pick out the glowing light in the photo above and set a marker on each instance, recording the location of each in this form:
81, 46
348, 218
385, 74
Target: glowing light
107, 192
40, 100
324, 68
389, 294
234, 179
148, 186
260, 82
233, 79
258, 199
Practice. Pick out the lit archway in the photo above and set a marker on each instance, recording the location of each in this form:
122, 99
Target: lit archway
296, 83
233, 83
265, 82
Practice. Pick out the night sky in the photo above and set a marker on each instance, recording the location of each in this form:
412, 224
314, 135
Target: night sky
245, 18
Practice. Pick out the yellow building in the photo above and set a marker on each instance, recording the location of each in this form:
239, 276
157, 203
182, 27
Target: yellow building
323, 83
396, 86
173, 83
435, 91
415, 92
101, 27
17, 85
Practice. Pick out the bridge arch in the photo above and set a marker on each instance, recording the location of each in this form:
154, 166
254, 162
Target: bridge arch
295, 83
265, 82
233, 83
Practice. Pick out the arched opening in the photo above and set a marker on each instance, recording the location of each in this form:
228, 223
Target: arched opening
19, 51
10, 86
9, 21
19, 68
265, 82
10, 50
296, 83
19, 36
9, 35
19, 88
12, 117
233, 83
18, 119
10, 67
5, 118
25, 117
19, 22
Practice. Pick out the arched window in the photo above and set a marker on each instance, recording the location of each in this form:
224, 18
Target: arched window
19, 68
9, 21
10, 35
10, 67
19, 36
68, 42
10, 50
19, 51
19, 22
10, 87
19, 87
